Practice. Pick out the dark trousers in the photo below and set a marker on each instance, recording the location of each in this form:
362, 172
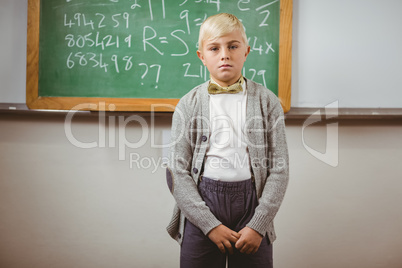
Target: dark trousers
233, 203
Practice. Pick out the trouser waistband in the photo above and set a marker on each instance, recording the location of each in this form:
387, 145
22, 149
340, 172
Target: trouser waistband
225, 186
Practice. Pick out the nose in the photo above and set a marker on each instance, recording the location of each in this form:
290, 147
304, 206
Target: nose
225, 54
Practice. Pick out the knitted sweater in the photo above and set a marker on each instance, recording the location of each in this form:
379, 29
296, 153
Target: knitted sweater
266, 141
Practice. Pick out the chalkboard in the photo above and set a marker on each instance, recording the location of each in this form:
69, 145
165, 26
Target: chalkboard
130, 54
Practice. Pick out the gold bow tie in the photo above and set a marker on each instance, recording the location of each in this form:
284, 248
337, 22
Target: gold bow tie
233, 89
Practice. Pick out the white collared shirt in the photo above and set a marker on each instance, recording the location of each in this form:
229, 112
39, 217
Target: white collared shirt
227, 157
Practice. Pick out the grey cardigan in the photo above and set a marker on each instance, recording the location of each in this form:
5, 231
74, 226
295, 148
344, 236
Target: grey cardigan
266, 141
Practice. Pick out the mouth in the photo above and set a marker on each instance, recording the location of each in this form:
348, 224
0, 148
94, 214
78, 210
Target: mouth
225, 66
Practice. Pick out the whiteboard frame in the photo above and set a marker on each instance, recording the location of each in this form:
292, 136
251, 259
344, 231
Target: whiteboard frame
34, 101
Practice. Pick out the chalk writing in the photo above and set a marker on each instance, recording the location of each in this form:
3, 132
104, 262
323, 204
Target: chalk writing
150, 41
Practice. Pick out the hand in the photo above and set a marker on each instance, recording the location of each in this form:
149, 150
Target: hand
223, 237
249, 242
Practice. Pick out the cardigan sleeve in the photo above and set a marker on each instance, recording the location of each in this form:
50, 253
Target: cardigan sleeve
277, 176
179, 171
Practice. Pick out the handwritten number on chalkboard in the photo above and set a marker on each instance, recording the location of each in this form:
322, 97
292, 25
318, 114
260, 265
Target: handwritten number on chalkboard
70, 63
255, 48
129, 63
109, 41
117, 23
89, 40
126, 16
83, 61
186, 74
70, 39
100, 25
184, 15
69, 23
102, 64
128, 40
217, 2
262, 73
114, 58
80, 41
96, 63
263, 23
97, 43
77, 17
254, 72
86, 23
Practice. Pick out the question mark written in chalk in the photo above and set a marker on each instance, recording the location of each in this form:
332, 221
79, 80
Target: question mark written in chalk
145, 73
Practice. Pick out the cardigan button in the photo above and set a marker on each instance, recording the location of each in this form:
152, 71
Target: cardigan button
204, 138
195, 170
179, 235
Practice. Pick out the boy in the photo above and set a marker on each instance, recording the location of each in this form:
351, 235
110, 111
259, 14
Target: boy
229, 167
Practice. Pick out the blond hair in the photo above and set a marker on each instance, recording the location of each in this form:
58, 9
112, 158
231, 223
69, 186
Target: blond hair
219, 25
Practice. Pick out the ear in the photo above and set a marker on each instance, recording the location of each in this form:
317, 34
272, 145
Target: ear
201, 57
247, 52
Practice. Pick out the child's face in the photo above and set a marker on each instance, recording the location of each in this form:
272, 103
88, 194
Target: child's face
224, 57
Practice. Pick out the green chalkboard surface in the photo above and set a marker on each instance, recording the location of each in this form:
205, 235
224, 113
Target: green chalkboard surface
137, 49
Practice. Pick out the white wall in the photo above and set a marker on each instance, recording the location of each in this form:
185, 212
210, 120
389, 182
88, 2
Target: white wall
347, 51
344, 216
13, 29
63, 206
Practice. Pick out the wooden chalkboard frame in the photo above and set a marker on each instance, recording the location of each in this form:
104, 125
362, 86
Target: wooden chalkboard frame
34, 101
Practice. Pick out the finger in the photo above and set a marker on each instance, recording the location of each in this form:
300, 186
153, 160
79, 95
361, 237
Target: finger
233, 238
249, 250
244, 249
237, 235
222, 248
228, 246
239, 244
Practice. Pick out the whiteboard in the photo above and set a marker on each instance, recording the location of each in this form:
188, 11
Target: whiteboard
347, 51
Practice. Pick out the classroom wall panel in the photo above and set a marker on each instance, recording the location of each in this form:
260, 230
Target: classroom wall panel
64, 206
13, 28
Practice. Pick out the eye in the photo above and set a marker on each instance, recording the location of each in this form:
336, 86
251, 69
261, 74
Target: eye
213, 48
233, 47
